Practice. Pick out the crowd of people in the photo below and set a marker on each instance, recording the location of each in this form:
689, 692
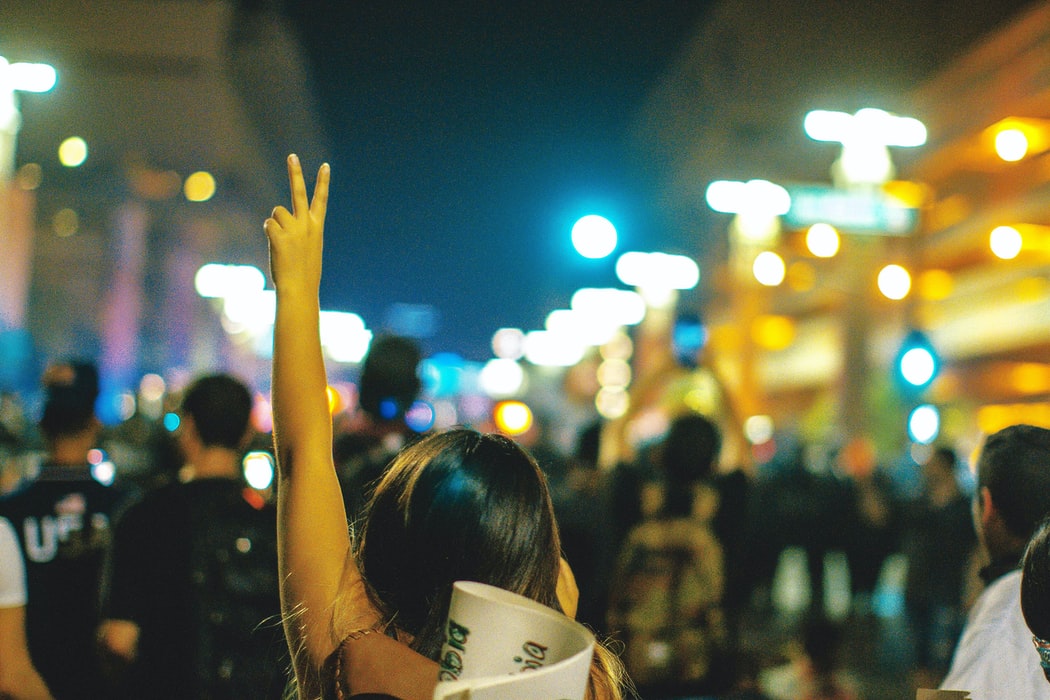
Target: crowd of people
336, 582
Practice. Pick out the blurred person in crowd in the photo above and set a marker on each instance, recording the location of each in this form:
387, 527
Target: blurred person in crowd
63, 520
873, 531
580, 494
1035, 592
797, 503
19, 679
193, 609
939, 544
388, 386
666, 602
366, 612
994, 660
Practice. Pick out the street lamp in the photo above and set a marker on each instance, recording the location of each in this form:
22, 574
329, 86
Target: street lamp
864, 136
17, 77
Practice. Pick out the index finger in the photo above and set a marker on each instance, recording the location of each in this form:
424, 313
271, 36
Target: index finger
297, 184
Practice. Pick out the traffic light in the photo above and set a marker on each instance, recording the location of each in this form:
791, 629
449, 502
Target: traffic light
916, 364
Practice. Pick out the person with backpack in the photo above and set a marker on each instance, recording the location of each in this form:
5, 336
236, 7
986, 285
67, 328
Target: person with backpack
193, 607
667, 600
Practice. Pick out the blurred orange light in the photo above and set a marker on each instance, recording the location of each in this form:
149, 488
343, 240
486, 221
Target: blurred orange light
934, 285
773, 332
512, 417
1030, 377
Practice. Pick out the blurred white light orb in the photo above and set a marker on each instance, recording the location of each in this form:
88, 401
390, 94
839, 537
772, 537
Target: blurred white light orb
1011, 145
73, 152
769, 268
894, 282
918, 366
758, 429
924, 424
822, 240
594, 236
508, 343
501, 378
1005, 242
258, 469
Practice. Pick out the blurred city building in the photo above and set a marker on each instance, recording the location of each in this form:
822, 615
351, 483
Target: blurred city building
814, 346
179, 111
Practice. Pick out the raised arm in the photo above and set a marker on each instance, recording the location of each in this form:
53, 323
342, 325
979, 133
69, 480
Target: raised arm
313, 541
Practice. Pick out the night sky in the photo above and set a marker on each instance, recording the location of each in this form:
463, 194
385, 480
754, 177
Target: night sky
467, 137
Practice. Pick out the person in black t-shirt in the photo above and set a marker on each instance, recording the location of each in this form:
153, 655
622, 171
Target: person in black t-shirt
193, 606
62, 520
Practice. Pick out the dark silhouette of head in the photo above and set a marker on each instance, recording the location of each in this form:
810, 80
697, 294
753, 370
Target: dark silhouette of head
1035, 590
689, 454
70, 391
1015, 468
457, 505
220, 407
389, 380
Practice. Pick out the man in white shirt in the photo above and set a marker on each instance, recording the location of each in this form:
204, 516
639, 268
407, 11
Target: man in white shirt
994, 659
18, 677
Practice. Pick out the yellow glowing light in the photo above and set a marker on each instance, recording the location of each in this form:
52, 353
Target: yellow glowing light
1030, 377
934, 285
512, 417
894, 282
199, 187
773, 332
801, 276
1005, 242
65, 223
612, 402
1033, 289
73, 152
614, 373
992, 418
822, 240
1011, 145
29, 176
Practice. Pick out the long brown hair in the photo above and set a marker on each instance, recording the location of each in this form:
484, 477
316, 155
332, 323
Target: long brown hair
457, 505
463, 506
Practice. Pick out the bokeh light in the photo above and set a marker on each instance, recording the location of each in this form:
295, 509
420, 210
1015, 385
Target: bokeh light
924, 424
512, 417
65, 223
1005, 242
420, 416
508, 343
769, 268
258, 468
199, 187
1011, 145
594, 236
73, 152
501, 378
822, 240
894, 282
612, 402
